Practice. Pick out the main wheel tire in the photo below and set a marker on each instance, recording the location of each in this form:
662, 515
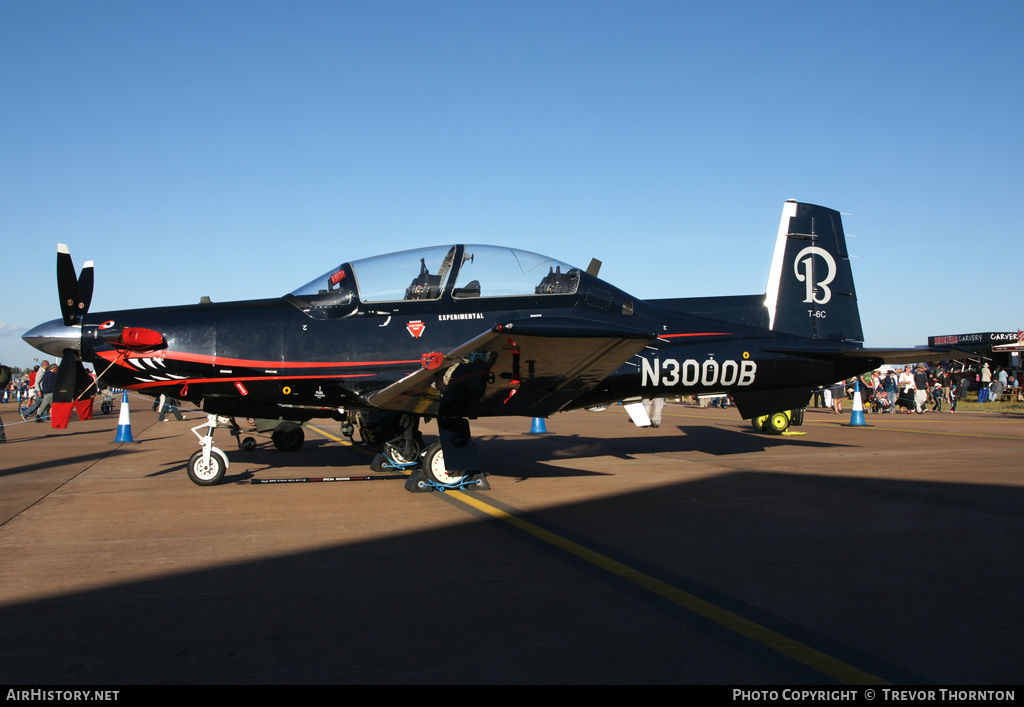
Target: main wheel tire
434, 468
778, 422
207, 474
394, 450
288, 437
759, 422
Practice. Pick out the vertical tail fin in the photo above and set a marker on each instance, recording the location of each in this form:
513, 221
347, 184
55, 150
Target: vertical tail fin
810, 287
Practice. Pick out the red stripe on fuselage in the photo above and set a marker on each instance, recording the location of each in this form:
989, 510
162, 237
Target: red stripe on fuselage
221, 361
705, 333
193, 381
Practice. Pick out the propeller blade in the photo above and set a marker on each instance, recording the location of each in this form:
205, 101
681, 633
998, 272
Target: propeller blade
67, 285
67, 373
85, 280
64, 390
75, 291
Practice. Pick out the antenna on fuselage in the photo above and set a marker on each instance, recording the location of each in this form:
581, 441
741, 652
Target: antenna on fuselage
594, 267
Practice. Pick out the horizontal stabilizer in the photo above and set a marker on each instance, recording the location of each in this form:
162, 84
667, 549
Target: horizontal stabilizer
765, 402
873, 358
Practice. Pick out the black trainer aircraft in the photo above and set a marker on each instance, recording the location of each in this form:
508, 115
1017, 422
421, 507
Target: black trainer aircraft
459, 332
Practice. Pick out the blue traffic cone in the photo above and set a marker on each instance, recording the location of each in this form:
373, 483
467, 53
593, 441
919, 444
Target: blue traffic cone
857, 416
539, 427
124, 425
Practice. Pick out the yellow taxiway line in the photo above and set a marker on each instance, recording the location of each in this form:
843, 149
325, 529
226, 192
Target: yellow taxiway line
793, 649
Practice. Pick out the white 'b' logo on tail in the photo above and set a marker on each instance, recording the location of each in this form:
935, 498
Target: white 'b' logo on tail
817, 289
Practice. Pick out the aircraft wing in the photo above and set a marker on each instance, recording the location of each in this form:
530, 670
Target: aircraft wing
532, 367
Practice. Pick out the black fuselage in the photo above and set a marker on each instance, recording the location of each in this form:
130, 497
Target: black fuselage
274, 358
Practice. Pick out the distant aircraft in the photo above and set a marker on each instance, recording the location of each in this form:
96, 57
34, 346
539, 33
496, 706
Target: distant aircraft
458, 332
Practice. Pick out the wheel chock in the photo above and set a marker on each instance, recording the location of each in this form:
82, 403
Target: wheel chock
419, 483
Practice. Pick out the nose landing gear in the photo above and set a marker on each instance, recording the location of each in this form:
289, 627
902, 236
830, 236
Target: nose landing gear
207, 466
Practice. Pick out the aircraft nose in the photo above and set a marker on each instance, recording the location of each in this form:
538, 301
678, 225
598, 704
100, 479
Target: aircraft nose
54, 336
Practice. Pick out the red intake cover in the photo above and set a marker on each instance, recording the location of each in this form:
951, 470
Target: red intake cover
139, 338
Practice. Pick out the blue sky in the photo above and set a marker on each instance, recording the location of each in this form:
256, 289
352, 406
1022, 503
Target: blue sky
238, 149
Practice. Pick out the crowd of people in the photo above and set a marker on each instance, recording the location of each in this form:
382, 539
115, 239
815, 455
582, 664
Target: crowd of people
919, 389
36, 392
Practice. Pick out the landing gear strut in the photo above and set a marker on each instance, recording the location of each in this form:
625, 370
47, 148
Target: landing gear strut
403, 451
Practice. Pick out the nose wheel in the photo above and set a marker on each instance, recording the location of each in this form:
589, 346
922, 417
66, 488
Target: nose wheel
207, 472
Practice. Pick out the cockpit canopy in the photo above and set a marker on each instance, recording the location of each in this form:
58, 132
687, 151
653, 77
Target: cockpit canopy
430, 273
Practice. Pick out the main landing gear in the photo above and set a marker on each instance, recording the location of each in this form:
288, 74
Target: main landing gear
426, 466
778, 422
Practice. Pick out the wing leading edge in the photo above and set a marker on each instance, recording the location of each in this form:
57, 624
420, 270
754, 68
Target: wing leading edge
532, 367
